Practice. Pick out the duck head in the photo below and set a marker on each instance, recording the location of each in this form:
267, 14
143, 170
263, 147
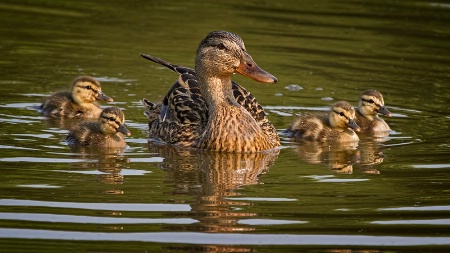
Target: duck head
112, 121
371, 103
222, 54
86, 89
342, 116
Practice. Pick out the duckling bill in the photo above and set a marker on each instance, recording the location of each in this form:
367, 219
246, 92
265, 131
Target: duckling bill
205, 109
79, 102
108, 131
336, 126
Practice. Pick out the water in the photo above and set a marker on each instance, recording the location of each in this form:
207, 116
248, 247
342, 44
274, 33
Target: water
391, 195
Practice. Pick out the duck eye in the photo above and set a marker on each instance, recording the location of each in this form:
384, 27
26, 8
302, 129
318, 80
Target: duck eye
111, 119
342, 114
371, 101
221, 46
89, 87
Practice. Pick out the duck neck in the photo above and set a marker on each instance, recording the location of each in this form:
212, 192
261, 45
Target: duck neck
217, 93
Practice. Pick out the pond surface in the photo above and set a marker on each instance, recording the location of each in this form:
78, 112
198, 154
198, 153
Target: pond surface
390, 195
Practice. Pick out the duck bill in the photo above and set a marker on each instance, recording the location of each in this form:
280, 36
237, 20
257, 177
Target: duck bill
124, 130
249, 68
383, 110
352, 124
102, 96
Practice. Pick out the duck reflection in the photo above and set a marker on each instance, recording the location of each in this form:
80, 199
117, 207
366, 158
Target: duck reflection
110, 161
371, 154
339, 157
344, 158
213, 178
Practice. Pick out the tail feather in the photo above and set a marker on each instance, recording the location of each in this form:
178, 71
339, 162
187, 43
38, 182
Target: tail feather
176, 68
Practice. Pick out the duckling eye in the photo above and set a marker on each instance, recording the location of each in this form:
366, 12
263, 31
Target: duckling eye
342, 114
371, 101
111, 119
221, 46
88, 87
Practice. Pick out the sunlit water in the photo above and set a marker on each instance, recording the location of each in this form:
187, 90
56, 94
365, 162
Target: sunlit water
386, 195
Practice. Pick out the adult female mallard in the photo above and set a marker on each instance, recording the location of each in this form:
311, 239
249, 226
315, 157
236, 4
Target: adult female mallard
336, 126
108, 131
370, 104
80, 102
204, 109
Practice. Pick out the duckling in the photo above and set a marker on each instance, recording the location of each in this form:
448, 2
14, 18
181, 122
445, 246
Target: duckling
80, 102
108, 131
370, 104
204, 109
337, 126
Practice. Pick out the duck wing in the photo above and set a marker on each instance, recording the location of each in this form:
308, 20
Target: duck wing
181, 116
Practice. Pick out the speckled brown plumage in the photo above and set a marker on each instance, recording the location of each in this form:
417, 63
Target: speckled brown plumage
370, 104
108, 131
205, 109
80, 102
333, 127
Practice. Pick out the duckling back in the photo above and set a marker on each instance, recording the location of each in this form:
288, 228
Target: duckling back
61, 105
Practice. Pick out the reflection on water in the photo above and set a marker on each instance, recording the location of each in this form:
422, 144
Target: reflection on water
338, 157
212, 178
343, 157
110, 162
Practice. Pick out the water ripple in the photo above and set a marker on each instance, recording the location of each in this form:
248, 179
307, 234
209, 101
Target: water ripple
44, 217
226, 238
99, 206
417, 208
414, 222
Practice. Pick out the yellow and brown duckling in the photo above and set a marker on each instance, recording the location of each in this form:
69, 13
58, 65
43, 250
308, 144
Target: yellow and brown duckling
80, 102
371, 104
108, 131
204, 109
336, 126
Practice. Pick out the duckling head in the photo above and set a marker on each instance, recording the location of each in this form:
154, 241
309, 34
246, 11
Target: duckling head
221, 54
371, 103
112, 121
86, 89
342, 116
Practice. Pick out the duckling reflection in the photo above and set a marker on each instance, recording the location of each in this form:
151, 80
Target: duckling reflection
212, 177
371, 155
343, 158
109, 161
339, 158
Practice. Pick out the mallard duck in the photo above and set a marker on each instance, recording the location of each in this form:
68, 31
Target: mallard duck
80, 102
336, 126
108, 131
370, 104
204, 109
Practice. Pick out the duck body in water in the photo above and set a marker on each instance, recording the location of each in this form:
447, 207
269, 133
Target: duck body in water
336, 126
108, 131
205, 110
